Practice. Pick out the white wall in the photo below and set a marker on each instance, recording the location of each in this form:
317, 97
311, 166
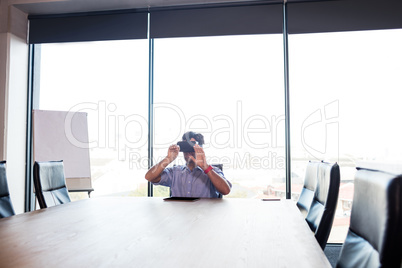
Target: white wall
16, 122
3, 89
13, 98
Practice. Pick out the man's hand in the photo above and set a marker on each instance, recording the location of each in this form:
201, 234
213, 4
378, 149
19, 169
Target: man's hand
200, 159
173, 152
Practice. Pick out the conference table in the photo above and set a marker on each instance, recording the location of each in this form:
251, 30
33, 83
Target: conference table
152, 232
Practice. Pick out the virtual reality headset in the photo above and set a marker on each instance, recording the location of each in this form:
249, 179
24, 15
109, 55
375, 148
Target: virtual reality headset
187, 146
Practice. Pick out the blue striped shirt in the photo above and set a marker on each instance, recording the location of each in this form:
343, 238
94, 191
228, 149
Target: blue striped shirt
186, 183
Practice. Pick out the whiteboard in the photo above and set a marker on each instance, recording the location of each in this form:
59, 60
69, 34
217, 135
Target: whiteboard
60, 135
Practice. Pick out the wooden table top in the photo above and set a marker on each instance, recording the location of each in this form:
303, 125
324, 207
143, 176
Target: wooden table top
150, 232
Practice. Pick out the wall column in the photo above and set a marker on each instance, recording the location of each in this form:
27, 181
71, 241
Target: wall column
4, 62
13, 98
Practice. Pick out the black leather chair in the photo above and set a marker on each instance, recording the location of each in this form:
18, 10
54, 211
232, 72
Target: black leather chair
220, 167
374, 238
322, 210
50, 183
6, 207
307, 194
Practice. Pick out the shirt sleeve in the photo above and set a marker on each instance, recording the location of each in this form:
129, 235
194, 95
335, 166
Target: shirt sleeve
220, 173
166, 177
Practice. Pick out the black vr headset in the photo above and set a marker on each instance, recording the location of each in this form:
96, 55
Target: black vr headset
187, 146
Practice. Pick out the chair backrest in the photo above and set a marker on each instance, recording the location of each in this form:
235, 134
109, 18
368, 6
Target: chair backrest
6, 207
322, 210
307, 194
50, 183
374, 238
220, 167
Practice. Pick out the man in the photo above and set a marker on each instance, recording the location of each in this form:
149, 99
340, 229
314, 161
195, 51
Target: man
195, 179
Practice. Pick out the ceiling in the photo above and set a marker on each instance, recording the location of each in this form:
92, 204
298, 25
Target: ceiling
48, 7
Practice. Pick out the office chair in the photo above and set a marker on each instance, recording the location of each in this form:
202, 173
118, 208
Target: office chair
6, 207
307, 194
374, 237
220, 167
50, 183
322, 210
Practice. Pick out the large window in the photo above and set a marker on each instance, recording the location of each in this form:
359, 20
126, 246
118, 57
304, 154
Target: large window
109, 81
230, 89
345, 106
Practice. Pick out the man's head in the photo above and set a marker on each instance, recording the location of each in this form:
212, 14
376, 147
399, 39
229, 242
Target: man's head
192, 136
188, 136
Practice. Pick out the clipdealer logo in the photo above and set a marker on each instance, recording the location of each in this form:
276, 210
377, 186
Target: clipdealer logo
320, 132
230, 133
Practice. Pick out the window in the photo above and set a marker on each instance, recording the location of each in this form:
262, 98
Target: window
109, 81
344, 106
230, 89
